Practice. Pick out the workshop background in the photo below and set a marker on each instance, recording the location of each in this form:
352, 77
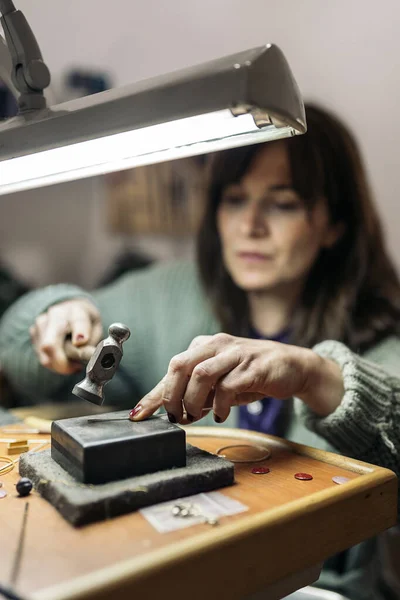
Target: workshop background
344, 54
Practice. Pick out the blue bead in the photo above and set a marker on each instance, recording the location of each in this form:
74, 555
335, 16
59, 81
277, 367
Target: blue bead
24, 486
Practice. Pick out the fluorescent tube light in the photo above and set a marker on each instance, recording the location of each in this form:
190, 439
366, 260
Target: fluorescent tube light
238, 100
157, 143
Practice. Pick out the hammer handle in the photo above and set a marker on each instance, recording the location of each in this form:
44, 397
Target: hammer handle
79, 353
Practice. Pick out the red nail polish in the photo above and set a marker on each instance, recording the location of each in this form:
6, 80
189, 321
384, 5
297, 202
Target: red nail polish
80, 337
135, 411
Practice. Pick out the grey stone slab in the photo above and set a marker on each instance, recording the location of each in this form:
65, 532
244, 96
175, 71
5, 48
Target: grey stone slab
81, 504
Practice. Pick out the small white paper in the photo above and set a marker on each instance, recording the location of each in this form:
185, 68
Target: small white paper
212, 505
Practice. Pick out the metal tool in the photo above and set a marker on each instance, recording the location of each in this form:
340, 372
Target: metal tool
80, 354
103, 365
20, 547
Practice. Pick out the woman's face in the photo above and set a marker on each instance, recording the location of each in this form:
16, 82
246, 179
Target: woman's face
269, 240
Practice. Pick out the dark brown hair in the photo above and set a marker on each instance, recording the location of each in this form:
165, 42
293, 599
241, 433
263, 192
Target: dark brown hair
352, 293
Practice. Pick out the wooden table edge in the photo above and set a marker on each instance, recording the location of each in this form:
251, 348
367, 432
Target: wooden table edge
182, 561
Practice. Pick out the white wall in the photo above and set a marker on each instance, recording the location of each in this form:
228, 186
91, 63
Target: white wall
344, 53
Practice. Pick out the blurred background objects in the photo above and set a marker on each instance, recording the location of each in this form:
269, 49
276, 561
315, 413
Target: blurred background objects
344, 55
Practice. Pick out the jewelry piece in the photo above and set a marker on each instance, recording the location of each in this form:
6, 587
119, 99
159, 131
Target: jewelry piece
340, 480
17, 447
24, 486
303, 476
260, 470
267, 453
11, 463
7, 467
186, 509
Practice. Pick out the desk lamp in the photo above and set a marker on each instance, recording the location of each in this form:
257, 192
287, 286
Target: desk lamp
237, 100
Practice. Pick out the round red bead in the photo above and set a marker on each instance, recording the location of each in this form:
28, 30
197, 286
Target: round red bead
260, 470
303, 476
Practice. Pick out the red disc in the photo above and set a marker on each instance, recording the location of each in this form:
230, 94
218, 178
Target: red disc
260, 470
303, 476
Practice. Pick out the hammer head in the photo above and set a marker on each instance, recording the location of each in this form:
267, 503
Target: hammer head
103, 365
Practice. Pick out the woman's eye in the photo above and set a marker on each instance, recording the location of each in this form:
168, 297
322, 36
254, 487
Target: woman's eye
233, 200
285, 201
286, 206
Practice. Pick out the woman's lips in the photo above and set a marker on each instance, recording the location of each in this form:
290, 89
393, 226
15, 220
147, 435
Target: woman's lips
253, 256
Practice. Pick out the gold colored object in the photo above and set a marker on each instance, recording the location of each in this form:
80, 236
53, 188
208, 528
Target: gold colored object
17, 447
17, 443
8, 466
17, 431
266, 453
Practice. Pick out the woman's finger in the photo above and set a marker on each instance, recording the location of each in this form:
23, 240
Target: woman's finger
178, 376
81, 322
240, 381
53, 338
203, 380
97, 332
81, 354
200, 340
223, 401
44, 359
84, 353
148, 404
71, 318
46, 340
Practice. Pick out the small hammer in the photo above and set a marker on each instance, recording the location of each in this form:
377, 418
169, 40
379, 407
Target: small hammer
102, 365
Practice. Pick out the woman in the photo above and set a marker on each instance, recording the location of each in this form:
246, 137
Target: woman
290, 254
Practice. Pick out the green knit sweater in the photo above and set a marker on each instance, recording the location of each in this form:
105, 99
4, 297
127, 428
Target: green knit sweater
165, 308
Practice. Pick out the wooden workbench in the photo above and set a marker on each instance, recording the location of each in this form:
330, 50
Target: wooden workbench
290, 527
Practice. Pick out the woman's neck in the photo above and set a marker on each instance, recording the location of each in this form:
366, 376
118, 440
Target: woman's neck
271, 310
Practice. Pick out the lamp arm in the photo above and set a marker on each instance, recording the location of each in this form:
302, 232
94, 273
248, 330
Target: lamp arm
6, 68
6, 7
29, 74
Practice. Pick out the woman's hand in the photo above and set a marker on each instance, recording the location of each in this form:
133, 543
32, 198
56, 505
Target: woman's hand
78, 320
221, 371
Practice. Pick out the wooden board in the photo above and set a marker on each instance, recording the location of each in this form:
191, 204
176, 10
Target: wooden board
290, 526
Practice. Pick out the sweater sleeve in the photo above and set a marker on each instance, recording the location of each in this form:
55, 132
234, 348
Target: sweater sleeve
32, 383
164, 307
366, 424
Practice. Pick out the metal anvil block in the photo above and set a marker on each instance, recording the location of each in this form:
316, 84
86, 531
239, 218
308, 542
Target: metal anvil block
108, 447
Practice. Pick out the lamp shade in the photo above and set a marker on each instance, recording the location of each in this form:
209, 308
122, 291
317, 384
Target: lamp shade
241, 99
